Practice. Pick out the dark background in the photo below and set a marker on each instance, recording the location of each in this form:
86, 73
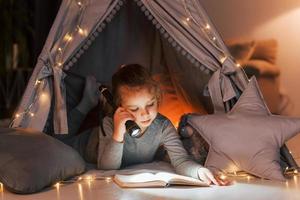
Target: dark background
26, 22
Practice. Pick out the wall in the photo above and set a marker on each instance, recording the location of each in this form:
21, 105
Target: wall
261, 19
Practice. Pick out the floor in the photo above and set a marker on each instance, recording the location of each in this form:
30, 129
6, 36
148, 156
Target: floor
104, 188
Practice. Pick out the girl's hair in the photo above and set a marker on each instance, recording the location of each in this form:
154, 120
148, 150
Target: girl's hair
133, 75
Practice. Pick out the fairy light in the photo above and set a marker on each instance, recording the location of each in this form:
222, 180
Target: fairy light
238, 65
214, 38
108, 179
59, 49
81, 31
57, 185
79, 3
68, 37
37, 82
223, 176
207, 26
223, 59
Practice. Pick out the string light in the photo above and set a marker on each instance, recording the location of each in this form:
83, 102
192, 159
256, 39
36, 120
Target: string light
79, 3
207, 26
81, 31
68, 37
57, 185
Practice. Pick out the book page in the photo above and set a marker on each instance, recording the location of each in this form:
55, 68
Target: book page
155, 180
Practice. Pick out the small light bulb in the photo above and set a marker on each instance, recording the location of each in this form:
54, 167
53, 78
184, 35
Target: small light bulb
223, 177
59, 49
59, 64
214, 38
187, 19
17, 115
37, 82
238, 65
68, 38
295, 171
57, 185
207, 26
79, 3
81, 31
31, 114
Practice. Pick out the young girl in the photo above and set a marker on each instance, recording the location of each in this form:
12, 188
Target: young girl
137, 97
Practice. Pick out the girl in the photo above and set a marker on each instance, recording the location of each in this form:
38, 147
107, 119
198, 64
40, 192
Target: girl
137, 98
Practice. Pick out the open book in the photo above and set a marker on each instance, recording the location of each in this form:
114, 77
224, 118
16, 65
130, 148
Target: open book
159, 179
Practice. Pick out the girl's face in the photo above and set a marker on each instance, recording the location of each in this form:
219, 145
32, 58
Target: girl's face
141, 103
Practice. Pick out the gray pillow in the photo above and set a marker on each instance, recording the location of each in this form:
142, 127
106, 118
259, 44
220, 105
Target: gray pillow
31, 160
247, 138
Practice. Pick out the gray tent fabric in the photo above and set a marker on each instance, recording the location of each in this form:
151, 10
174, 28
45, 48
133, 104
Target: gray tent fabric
94, 37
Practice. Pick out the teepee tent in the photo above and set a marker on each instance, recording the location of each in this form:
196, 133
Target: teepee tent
173, 38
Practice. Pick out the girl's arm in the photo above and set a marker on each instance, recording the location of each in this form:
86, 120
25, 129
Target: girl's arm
110, 152
111, 157
180, 159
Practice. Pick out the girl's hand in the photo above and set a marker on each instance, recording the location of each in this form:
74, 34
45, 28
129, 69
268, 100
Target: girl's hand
120, 117
205, 175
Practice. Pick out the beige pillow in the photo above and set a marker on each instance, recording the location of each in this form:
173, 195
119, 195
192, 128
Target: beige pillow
241, 50
265, 50
265, 68
248, 138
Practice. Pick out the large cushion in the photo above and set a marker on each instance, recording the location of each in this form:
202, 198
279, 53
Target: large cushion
31, 160
248, 138
241, 50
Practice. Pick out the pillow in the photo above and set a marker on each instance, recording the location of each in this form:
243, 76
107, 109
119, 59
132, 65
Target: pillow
265, 50
241, 50
264, 68
248, 138
31, 160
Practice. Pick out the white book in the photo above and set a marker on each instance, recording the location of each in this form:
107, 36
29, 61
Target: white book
158, 179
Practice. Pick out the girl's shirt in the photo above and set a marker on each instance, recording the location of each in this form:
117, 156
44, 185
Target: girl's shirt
115, 155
